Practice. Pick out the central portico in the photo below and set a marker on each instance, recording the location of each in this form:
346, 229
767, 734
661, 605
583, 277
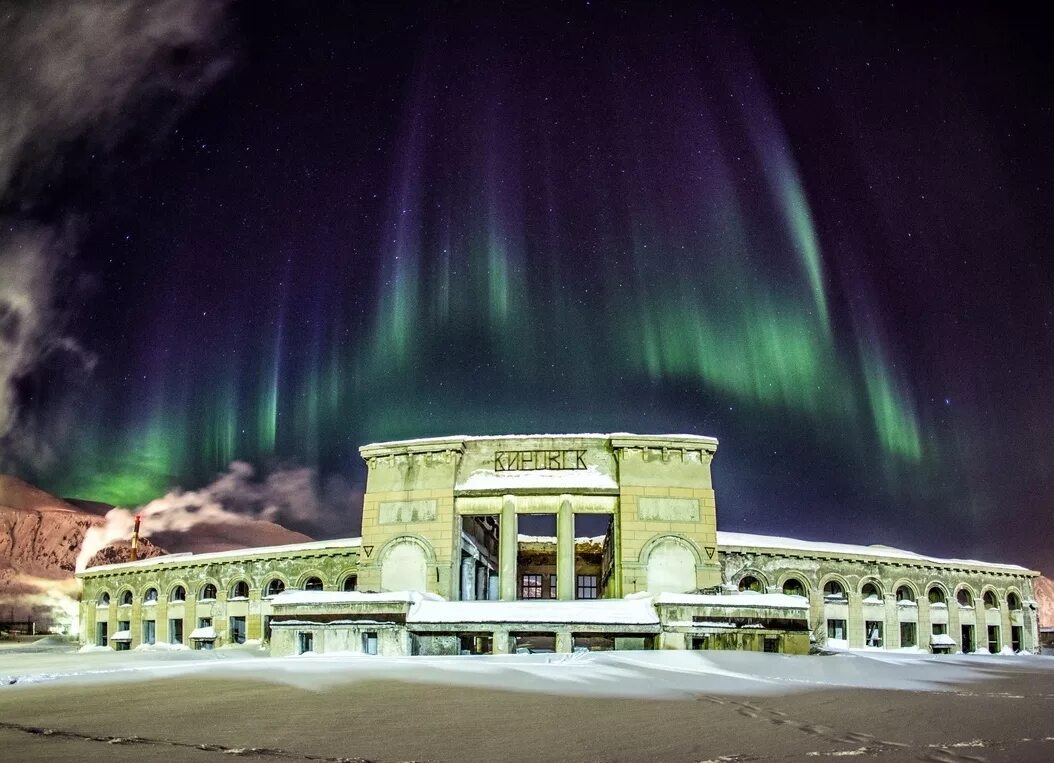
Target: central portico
442, 515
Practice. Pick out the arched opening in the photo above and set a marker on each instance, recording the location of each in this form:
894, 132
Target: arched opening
871, 592
905, 593
179, 593
964, 597
126, 597
1013, 601
794, 587
404, 567
990, 602
750, 583
351, 583
671, 567
104, 599
313, 584
150, 596
832, 589
936, 595
208, 592
240, 590
275, 587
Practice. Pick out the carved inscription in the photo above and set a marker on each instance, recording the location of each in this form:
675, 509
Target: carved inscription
530, 460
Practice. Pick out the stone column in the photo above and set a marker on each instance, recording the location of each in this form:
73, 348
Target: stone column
565, 644
891, 637
508, 551
468, 579
565, 551
502, 643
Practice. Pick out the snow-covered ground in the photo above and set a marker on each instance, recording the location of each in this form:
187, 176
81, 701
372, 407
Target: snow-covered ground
641, 674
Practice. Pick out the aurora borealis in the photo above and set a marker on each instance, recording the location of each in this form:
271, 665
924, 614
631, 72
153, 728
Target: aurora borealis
822, 236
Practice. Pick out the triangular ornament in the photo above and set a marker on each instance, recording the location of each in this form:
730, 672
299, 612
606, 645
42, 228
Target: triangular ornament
709, 551
368, 550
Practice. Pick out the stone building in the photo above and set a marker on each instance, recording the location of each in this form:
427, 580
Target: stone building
631, 558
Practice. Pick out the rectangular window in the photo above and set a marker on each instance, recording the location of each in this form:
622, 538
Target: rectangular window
908, 634
175, 630
124, 644
369, 643
940, 629
102, 634
149, 631
1015, 637
305, 642
587, 587
237, 633
530, 586
552, 586
967, 639
267, 627
204, 622
836, 630
772, 644
873, 632
993, 639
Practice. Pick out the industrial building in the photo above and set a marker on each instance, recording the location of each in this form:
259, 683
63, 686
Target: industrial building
630, 558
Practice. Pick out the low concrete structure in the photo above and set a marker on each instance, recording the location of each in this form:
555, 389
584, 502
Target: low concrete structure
446, 570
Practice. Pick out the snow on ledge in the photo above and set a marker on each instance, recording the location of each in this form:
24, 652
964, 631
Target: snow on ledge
744, 599
607, 611
204, 634
590, 478
295, 597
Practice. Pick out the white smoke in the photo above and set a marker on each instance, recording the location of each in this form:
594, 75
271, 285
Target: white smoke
74, 73
288, 497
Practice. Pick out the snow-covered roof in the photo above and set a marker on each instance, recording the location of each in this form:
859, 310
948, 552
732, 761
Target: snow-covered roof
590, 478
941, 639
749, 540
294, 597
549, 436
121, 636
208, 633
607, 611
336, 543
744, 599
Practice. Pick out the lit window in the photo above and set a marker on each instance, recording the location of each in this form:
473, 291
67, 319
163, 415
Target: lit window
530, 586
749, 583
587, 587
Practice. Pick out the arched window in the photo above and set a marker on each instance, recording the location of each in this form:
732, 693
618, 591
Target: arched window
313, 584
904, 593
179, 593
275, 587
750, 583
1013, 601
351, 582
208, 591
990, 601
870, 592
126, 597
104, 599
794, 587
150, 596
240, 590
936, 595
832, 589
964, 597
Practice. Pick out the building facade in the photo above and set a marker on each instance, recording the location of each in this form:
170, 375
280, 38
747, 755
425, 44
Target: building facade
629, 557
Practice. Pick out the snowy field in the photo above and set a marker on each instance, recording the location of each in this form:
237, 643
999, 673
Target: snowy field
201, 705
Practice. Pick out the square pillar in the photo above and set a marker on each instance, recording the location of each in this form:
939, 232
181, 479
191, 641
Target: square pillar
468, 579
565, 551
509, 549
565, 642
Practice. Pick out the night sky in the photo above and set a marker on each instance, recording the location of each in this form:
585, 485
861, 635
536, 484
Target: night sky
273, 232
